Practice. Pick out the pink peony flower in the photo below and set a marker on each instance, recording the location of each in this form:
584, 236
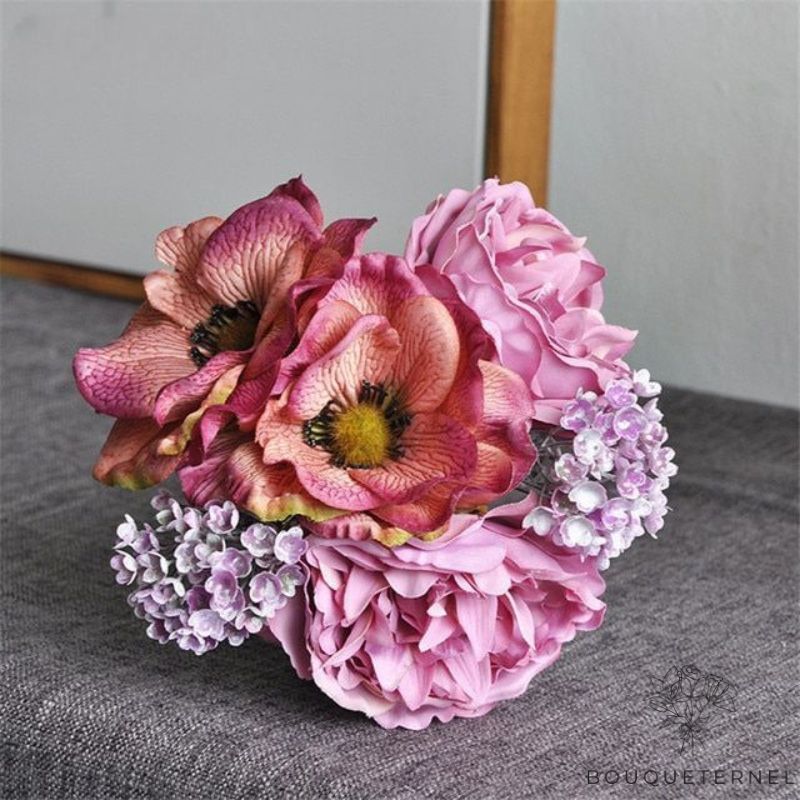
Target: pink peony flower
388, 405
218, 320
534, 285
438, 629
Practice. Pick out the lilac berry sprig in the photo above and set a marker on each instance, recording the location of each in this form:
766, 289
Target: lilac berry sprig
601, 477
200, 577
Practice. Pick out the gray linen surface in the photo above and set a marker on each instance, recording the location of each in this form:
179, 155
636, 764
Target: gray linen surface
93, 709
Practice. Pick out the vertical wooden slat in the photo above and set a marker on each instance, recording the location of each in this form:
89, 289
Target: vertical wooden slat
520, 80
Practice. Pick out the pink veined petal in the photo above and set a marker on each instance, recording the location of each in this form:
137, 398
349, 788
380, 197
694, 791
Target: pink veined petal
506, 397
123, 378
297, 190
435, 449
180, 247
183, 396
426, 365
465, 400
130, 458
207, 478
332, 485
270, 492
477, 616
376, 284
364, 354
246, 403
492, 476
329, 325
424, 515
346, 235
258, 253
357, 527
177, 294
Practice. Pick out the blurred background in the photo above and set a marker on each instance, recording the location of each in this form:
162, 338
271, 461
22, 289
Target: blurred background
667, 132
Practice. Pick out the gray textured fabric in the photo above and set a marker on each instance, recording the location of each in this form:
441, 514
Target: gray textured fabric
92, 709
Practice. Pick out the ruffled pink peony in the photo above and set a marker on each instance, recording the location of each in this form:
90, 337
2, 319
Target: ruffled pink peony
438, 629
535, 286
388, 405
217, 321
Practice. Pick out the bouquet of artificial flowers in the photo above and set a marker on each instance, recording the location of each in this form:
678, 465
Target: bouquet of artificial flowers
406, 471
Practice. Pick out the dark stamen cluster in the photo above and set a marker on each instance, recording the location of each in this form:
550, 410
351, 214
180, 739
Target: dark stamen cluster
320, 431
397, 417
227, 328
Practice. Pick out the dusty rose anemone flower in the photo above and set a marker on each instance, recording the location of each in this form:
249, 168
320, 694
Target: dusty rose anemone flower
218, 319
534, 285
439, 629
386, 417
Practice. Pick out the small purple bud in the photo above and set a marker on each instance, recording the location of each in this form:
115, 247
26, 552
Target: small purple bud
630, 422
207, 624
259, 539
290, 545
222, 518
237, 562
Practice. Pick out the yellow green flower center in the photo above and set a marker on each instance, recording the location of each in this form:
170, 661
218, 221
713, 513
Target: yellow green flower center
363, 435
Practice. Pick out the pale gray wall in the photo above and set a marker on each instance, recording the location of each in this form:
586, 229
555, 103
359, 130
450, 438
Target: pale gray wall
120, 118
674, 144
675, 148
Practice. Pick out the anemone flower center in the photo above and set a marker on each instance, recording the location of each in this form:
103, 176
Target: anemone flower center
362, 435
227, 328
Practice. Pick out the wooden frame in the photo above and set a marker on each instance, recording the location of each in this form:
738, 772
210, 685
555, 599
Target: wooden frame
517, 133
520, 80
74, 276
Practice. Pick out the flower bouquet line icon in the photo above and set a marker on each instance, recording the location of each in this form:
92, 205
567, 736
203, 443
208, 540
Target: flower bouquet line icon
689, 700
